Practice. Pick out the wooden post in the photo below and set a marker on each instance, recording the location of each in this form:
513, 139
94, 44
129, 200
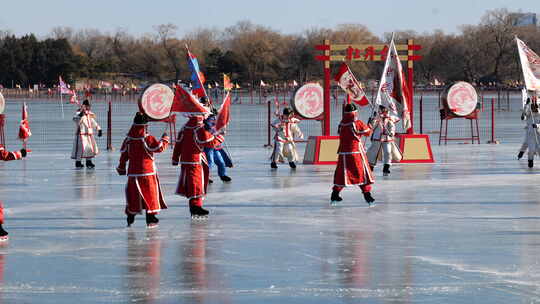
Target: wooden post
326, 126
410, 53
109, 127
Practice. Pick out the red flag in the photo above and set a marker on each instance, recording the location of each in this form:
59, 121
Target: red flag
224, 115
346, 80
24, 127
186, 103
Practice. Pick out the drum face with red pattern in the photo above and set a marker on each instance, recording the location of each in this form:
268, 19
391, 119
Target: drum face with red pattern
156, 101
308, 101
461, 99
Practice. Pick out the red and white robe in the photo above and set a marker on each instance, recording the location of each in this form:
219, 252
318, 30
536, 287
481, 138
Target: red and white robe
382, 140
286, 131
7, 156
352, 165
143, 191
84, 143
189, 153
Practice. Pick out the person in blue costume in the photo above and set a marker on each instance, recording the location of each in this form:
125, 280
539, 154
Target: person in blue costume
218, 155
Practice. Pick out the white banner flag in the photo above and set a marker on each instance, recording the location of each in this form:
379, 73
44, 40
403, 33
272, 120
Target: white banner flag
530, 65
393, 92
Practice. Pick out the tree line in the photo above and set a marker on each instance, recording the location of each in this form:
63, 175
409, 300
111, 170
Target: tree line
485, 52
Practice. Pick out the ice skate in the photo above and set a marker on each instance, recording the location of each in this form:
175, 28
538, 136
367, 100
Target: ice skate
198, 213
225, 178
90, 164
210, 181
520, 154
79, 165
531, 163
335, 198
386, 170
369, 199
292, 165
273, 165
130, 219
3, 234
151, 220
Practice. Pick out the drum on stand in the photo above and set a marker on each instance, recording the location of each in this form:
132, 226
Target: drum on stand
460, 99
308, 101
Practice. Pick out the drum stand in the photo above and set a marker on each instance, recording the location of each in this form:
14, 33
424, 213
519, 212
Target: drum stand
443, 131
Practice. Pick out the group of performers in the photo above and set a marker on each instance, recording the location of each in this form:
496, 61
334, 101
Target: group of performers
199, 145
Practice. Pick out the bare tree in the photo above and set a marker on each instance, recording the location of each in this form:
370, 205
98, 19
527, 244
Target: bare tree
171, 46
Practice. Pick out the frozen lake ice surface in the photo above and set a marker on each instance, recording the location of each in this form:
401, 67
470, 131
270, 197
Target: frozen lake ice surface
465, 229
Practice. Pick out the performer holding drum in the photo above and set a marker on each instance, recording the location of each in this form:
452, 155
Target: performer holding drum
84, 144
143, 190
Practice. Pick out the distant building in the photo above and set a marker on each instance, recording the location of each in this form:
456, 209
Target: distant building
524, 19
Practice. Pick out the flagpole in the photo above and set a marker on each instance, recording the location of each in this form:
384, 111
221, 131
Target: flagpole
199, 78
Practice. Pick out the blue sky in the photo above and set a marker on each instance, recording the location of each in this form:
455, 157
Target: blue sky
139, 17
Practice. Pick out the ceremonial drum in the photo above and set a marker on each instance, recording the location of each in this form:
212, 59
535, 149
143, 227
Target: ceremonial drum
308, 101
460, 99
2, 103
156, 101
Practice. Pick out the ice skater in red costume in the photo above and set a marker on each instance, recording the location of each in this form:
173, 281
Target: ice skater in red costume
6, 156
189, 153
143, 190
352, 166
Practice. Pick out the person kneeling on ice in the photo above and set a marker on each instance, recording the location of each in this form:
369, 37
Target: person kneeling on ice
352, 166
531, 113
143, 190
84, 144
382, 140
217, 155
286, 128
7, 156
189, 153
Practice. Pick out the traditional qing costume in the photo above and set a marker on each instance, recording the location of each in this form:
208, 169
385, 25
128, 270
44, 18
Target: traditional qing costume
352, 166
143, 191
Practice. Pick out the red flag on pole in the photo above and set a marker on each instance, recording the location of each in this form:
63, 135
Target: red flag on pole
224, 114
24, 127
346, 80
185, 102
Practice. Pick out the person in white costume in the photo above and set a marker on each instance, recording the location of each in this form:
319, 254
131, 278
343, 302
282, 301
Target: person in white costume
286, 128
84, 143
382, 140
531, 114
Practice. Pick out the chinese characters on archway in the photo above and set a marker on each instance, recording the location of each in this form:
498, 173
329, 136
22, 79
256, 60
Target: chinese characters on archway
367, 54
